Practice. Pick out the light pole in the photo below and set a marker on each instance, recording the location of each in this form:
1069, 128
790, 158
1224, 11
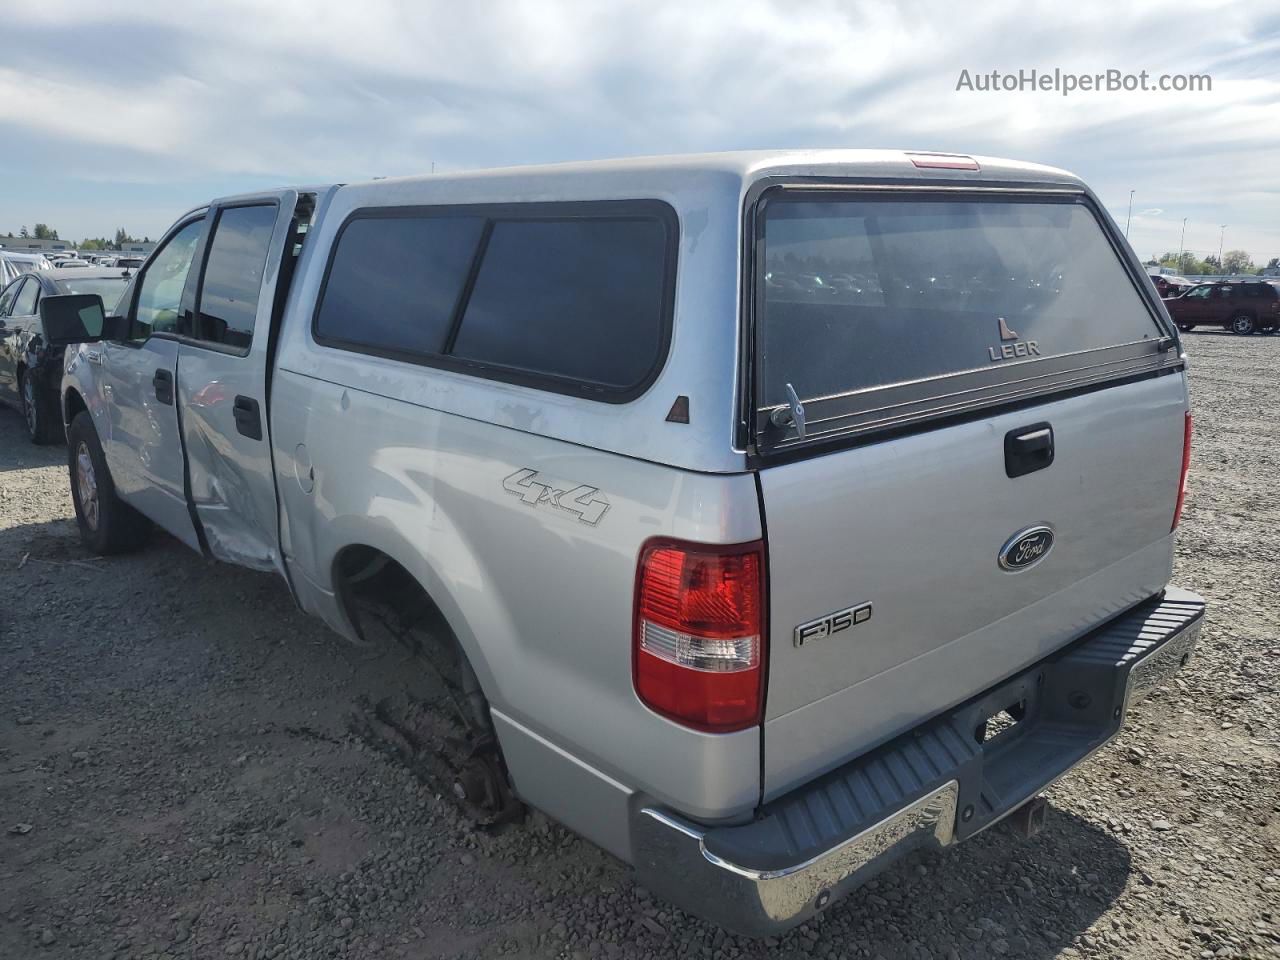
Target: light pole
1220, 236
1129, 217
1182, 243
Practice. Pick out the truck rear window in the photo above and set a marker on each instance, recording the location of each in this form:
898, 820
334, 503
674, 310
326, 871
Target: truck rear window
570, 297
875, 310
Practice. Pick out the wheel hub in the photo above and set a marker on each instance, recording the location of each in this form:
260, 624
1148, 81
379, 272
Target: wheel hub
87, 486
29, 404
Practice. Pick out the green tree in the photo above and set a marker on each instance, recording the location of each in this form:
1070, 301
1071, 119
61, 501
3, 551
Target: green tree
1187, 264
1237, 261
25, 233
42, 232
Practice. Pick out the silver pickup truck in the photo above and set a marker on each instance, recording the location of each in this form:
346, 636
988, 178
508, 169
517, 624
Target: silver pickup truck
782, 513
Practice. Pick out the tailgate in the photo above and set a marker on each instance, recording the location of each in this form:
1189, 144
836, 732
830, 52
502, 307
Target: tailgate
989, 462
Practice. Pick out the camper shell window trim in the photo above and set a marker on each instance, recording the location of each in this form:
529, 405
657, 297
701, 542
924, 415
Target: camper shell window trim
877, 413
649, 210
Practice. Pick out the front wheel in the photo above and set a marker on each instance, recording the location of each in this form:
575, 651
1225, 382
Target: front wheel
42, 423
1185, 327
1243, 324
107, 524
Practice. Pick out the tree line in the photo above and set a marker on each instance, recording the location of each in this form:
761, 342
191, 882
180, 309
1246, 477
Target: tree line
1233, 262
42, 231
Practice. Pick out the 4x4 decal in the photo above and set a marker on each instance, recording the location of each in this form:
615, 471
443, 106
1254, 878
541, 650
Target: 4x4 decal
585, 503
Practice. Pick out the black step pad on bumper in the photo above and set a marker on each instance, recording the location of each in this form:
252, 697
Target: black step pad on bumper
1070, 705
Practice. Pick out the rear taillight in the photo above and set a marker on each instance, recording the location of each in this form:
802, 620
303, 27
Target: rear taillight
699, 642
1186, 463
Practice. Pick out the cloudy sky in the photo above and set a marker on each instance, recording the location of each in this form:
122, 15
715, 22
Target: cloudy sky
124, 114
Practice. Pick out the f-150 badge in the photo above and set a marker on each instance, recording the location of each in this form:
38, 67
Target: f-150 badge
831, 624
584, 503
1011, 345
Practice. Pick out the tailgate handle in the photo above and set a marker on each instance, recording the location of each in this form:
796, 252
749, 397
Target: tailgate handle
1028, 449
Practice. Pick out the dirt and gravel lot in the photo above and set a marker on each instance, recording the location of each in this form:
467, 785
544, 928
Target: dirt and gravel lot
177, 776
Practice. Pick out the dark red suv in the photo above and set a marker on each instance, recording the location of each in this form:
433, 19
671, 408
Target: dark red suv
1242, 307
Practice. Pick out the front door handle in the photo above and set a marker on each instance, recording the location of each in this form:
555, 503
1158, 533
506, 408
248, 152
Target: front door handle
248, 417
163, 383
1028, 449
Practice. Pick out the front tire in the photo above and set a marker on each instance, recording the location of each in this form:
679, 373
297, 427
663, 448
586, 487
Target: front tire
1243, 324
42, 423
107, 524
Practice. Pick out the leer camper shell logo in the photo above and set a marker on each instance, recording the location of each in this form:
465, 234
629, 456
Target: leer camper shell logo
1011, 346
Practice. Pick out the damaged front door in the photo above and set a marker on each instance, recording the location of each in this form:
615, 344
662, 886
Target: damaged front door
223, 377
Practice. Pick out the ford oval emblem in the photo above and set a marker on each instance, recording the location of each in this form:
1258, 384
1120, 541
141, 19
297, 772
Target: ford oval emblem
1026, 548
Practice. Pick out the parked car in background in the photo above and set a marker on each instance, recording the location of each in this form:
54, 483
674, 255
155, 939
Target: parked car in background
1171, 286
568, 428
124, 262
14, 265
31, 369
1243, 307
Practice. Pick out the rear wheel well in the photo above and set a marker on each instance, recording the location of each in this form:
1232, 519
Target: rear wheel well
380, 597
366, 577
450, 740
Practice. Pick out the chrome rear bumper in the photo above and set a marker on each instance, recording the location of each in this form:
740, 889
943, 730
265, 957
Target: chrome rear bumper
933, 786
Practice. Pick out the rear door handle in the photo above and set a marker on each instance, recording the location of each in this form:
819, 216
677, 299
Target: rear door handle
1028, 449
248, 418
163, 383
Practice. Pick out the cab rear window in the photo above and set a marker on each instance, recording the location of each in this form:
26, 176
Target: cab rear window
878, 310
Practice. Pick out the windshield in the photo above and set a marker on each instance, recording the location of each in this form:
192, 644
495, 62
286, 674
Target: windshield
109, 289
864, 293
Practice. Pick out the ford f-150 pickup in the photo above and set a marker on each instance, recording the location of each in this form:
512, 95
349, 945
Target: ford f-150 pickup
779, 513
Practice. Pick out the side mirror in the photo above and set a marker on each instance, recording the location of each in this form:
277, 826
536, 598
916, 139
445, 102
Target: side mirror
73, 318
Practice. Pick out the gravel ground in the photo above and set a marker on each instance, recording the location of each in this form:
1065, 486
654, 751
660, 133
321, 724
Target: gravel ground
177, 778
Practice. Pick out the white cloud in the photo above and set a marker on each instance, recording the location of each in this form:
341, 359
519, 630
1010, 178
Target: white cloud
205, 93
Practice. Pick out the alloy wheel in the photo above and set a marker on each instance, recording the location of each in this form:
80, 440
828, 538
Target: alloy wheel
87, 486
29, 405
